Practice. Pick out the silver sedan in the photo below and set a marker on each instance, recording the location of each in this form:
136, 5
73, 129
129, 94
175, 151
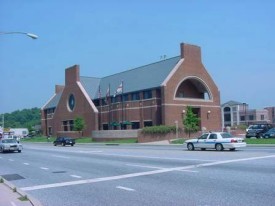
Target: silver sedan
10, 145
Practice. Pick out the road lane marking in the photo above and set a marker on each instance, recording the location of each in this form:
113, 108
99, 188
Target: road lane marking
162, 158
13, 204
145, 166
60, 156
125, 188
44, 168
11, 160
87, 152
138, 174
76, 176
25, 163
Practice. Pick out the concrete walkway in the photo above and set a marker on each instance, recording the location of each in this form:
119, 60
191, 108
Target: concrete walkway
8, 197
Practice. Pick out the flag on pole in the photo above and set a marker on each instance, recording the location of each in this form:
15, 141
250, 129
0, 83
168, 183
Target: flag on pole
107, 93
119, 90
99, 92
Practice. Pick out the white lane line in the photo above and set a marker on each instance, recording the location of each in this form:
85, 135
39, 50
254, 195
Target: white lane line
11, 160
13, 204
163, 158
138, 174
125, 188
145, 166
87, 152
25, 163
44, 168
60, 156
76, 176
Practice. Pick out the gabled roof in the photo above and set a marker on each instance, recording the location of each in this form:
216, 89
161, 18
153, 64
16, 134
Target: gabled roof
231, 103
53, 102
141, 78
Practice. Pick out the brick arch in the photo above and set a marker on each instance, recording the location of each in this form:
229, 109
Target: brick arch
193, 87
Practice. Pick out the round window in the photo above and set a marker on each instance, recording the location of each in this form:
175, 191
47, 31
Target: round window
71, 102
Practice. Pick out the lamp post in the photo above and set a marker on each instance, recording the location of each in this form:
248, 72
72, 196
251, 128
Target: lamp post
177, 128
244, 108
33, 36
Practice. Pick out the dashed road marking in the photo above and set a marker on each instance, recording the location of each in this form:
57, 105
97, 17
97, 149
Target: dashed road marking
11, 160
25, 163
139, 174
125, 188
60, 156
44, 168
76, 176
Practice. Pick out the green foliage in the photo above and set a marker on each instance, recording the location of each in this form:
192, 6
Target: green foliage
26, 118
161, 129
79, 124
190, 121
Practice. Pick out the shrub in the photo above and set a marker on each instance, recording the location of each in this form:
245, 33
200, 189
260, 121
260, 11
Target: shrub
161, 129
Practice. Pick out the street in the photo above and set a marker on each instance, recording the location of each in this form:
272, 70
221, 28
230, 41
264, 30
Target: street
98, 174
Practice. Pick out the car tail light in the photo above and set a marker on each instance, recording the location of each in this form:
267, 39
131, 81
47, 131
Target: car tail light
234, 140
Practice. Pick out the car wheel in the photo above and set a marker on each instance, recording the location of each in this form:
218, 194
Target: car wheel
232, 149
72, 145
202, 149
1, 149
219, 147
190, 146
19, 151
64, 144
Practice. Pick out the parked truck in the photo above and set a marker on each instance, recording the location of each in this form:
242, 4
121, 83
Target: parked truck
20, 132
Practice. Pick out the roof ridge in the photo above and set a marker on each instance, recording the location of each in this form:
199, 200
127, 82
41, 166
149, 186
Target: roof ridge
141, 66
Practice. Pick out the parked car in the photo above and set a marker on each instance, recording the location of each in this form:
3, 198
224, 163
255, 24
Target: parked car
64, 141
270, 133
10, 145
215, 140
257, 130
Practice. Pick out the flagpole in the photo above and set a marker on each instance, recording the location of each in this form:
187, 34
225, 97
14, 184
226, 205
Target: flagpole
109, 105
100, 108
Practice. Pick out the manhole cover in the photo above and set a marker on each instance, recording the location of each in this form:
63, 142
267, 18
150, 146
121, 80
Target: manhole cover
59, 172
11, 177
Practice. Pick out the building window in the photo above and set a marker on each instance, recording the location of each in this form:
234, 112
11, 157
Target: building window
135, 96
251, 117
105, 127
135, 125
50, 131
148, 123
71, 102
242, 118
262, 117
227, 117
65, 126
147, 94
125, 97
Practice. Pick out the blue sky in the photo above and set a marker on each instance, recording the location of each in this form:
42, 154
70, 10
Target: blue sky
105, 37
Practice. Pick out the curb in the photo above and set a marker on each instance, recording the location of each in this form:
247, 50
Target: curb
31, 199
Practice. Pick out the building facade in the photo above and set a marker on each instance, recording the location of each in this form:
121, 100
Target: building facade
154, 94
236, 113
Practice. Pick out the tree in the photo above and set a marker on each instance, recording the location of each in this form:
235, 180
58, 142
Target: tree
79, 124
190, 121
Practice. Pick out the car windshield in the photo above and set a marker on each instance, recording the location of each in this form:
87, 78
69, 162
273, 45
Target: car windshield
9, 141
226, 135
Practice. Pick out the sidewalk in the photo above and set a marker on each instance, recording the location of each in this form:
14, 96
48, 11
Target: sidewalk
11, 198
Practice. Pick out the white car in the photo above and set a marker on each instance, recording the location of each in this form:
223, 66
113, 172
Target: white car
215, 140
10, 145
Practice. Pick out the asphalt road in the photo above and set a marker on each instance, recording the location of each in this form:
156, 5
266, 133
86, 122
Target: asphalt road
142, 175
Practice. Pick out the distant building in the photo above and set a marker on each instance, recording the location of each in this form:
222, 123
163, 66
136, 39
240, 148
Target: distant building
271, 114
154, 94
236, 113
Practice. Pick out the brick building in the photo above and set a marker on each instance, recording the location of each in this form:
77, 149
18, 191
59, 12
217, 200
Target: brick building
154, 94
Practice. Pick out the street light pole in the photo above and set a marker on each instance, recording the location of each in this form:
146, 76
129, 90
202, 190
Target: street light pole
33, 36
